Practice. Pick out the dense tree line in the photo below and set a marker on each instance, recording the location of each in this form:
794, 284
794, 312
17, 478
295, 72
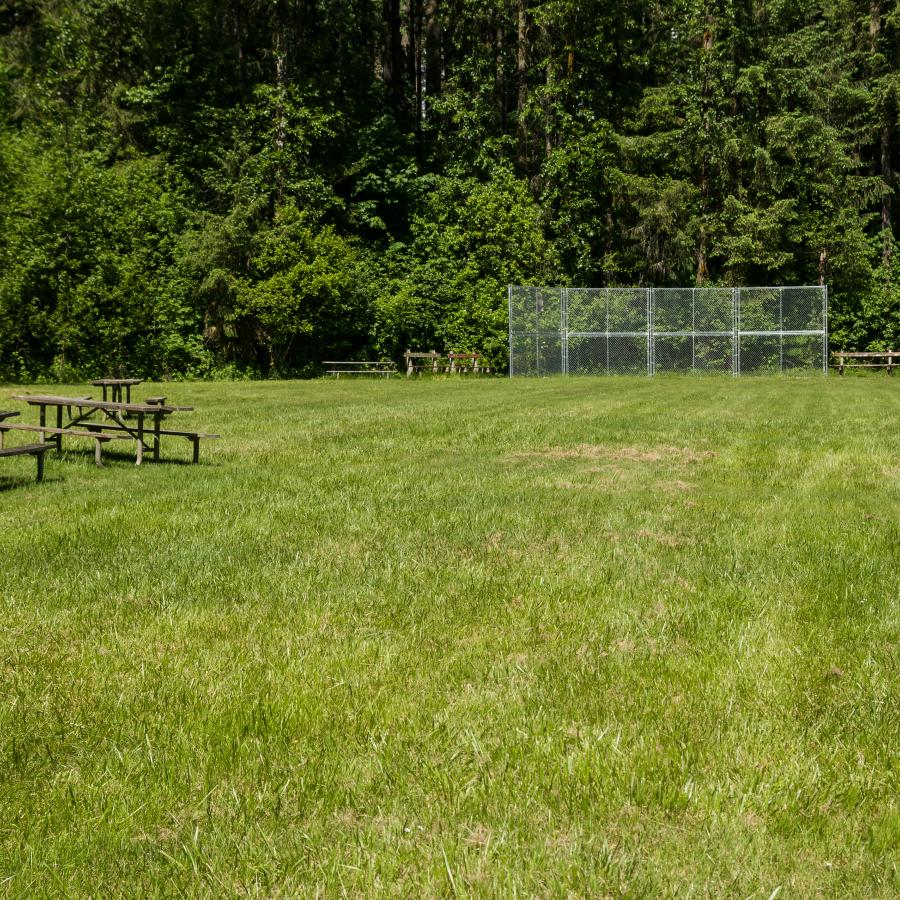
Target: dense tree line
215, 186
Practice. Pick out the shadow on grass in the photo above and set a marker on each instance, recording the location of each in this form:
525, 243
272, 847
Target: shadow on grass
124, 456
11, 483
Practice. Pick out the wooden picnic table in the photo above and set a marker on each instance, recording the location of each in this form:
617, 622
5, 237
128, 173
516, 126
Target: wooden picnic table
115, 386
146, 438
385, 368
873, 359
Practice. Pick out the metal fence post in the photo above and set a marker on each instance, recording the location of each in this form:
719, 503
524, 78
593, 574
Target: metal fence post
509, 303
736, 329
649, 332
606, 295
824, 329
781, 331
693, 329
564, 330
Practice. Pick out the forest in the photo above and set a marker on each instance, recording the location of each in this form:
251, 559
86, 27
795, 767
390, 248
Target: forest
242, 188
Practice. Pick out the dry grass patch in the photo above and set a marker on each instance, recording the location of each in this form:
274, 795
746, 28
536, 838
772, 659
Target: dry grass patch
616, 454
670, 540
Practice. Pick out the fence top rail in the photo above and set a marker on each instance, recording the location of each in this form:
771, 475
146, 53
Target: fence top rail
711, 287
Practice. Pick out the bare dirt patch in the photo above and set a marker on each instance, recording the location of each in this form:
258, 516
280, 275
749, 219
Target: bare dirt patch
670, 540
480, 836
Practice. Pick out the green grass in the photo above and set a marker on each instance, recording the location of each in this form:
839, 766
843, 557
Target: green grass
586, 637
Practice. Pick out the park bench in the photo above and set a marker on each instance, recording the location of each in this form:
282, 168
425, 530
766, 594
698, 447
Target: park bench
384, 368
467, 362
433, 363
36, 450
878, 359
98, 438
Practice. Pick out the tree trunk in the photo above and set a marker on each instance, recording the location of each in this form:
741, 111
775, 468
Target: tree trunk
702, 270
281, 75
433, 48
237, 28
500, 79
887, 174
548, 98
521, 68
392, 63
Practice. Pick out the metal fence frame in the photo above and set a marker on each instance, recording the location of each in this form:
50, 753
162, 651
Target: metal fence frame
541, 333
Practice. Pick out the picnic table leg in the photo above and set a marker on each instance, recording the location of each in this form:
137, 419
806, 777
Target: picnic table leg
156, 423
140, 439
40, 466
59, 425
128, 393
196, 441
97, 459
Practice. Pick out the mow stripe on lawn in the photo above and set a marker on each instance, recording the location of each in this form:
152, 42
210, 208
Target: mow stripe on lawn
588, 636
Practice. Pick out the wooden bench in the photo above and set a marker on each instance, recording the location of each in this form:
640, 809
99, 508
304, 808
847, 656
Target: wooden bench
384, 368
432, 365
98, 438
193, 436
467, 362
36, 450
878, 359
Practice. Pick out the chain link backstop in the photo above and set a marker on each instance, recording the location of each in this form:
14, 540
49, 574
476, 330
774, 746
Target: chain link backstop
642, 331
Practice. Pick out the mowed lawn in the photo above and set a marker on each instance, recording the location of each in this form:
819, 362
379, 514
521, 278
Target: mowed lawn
493, 638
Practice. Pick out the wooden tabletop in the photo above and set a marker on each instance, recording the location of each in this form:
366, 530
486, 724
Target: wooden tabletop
125, 382
51, 400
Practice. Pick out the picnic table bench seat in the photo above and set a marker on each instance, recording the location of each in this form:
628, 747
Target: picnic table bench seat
99, 439
36, 450
193, 436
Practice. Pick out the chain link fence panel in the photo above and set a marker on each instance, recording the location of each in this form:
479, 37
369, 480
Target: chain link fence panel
635, 331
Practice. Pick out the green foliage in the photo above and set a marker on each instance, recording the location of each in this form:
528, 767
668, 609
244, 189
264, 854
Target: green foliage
301, 291
471, 240
250, 186
90, 279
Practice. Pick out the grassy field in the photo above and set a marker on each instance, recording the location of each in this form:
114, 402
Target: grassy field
588, 637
